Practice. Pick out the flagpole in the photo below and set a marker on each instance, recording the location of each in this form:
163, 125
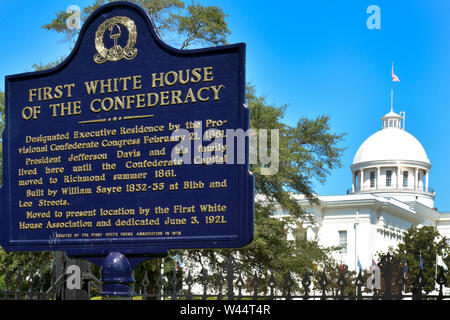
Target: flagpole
435, 272
392, 90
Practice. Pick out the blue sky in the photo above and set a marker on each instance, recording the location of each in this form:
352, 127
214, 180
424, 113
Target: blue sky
318, 57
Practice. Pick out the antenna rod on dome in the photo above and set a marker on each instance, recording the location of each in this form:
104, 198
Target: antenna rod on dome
394, 79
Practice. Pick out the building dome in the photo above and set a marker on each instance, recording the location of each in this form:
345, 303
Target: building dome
391, 144
393, 163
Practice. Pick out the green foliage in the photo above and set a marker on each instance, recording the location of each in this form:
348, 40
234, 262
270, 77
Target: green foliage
172, 19
204, 24
28, 262
334, 276
41, 67
426, 242
306, 151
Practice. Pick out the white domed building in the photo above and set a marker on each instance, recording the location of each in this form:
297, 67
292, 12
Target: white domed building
389, 194
393, 163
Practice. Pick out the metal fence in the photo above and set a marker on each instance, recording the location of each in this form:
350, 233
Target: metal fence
20, 284
231, 284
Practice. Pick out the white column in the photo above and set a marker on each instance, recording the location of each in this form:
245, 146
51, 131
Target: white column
398, 177
427, 173
355, 225
361, 180
377, 182
416, 179
354, 181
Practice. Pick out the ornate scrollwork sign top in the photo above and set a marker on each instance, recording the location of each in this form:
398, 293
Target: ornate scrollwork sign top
115, 53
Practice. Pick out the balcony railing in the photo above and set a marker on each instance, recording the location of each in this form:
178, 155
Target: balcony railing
392, 189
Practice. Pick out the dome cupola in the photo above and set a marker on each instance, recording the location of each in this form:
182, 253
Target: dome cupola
393, 120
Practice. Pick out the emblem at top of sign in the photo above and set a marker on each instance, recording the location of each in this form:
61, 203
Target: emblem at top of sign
115, 26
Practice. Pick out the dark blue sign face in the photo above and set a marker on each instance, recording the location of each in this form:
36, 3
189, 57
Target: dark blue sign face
129, 145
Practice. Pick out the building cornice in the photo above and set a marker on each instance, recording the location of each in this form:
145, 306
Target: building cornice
411, 212
390, 163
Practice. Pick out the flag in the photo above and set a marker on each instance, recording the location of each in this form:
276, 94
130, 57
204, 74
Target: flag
441, 262
374, 264
405, 270
421, 263
394, 77
178, 262
359, 265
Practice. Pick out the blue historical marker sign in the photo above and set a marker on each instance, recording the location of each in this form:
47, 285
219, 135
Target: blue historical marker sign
129, 145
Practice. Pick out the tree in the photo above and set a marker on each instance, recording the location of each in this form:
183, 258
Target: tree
424, 242
202, 24
194, 24
29, 263
306, 151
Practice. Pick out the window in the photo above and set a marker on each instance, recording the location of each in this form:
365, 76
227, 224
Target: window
343, 241
388, 178
405, 178
372, 179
